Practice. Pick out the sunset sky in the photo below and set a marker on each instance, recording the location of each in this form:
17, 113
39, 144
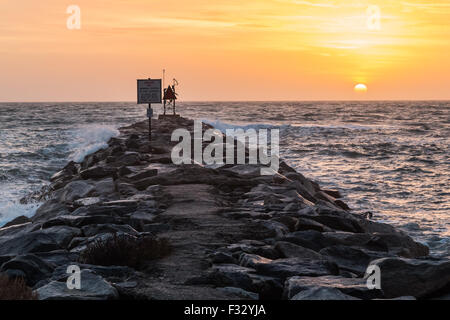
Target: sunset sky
225, 49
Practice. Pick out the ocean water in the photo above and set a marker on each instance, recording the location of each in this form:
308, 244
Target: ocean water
390, 158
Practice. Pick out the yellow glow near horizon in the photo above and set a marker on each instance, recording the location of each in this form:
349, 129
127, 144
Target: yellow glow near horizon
226, 49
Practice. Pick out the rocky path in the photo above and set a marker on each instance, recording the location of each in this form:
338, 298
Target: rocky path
233, 233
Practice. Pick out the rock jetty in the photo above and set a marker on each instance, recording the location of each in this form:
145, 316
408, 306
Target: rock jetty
140, 227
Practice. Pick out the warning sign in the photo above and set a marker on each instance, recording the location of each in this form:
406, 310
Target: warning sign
149, 91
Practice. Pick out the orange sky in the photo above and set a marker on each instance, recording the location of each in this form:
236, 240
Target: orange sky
225, 49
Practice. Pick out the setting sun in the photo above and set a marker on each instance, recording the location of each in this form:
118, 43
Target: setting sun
360, 88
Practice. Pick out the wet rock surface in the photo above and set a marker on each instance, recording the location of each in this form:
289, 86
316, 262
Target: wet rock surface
233, 233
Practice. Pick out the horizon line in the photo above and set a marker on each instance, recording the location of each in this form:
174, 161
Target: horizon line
239, 100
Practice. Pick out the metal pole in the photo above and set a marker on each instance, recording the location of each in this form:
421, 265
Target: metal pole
149, 122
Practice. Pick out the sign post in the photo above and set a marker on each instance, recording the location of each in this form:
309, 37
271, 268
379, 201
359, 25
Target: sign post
149, 91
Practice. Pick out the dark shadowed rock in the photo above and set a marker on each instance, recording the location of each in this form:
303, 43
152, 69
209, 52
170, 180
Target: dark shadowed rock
394, 243
94, 229
98, 172
305, 224
16, 221
290, 250
226, 275
128, 159
285, 268
310, 239
261, 229
410, 277
33, 267
79, 221
58, 257
338, 223
351, 259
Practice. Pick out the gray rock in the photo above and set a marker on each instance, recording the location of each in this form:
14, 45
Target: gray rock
411, 277
75, 190
93, 287
49, 209
61, 234
104, 187
23, 243
355, 287
321, 293
86, 201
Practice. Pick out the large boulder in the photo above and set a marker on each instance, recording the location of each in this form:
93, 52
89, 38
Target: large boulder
411, 277
396, 243
355, 287
93, 287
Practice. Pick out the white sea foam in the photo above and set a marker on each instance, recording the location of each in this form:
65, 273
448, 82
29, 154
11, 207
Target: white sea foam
89, 139
223, 126
12, 209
